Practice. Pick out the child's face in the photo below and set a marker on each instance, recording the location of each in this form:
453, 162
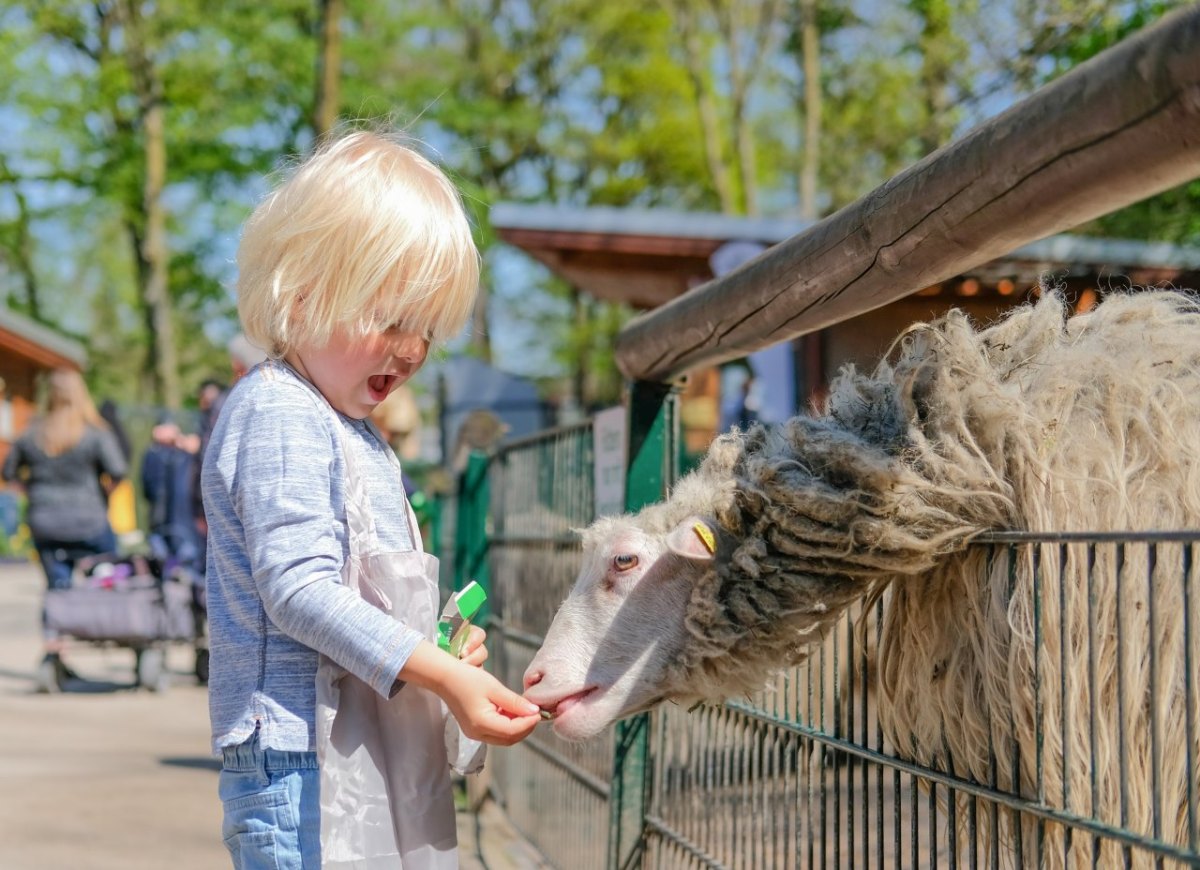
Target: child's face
355, 372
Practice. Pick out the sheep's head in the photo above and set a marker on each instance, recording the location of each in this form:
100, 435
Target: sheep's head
609, 651
755, 555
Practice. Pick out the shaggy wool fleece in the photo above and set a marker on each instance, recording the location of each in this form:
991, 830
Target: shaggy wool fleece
1067, 663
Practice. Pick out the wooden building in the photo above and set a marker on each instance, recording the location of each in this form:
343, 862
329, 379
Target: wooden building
646, 257
28, 349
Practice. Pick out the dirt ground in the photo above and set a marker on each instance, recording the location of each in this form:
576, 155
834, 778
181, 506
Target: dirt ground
106, 776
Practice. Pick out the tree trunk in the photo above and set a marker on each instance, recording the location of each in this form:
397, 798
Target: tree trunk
740, 134
810, 41
491, 172
743, 136
754, 34
329, 62
710, 129
937, 41
152, 251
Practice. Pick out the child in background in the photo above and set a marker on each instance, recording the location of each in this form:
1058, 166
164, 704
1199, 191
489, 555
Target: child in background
326, 691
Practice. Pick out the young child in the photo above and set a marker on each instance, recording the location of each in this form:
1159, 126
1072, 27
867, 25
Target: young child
326, 693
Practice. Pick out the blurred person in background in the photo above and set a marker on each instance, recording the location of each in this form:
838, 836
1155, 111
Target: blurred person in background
243, 356
167, 479
64, 460
207, 399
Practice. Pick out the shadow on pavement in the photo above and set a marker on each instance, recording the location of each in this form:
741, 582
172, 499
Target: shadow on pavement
77, 685
84, 686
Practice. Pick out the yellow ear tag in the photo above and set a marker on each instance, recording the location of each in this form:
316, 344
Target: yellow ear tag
704, 533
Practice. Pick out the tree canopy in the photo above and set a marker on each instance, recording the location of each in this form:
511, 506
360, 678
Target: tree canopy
140, 135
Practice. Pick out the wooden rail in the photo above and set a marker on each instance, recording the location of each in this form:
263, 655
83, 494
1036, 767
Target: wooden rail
1115, 130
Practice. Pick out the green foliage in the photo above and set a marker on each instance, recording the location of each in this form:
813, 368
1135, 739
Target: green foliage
565, 101
646, 148
870, 126
1172, 216
232, 80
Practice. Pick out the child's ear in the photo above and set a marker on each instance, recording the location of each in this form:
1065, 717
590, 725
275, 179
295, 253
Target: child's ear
695, 538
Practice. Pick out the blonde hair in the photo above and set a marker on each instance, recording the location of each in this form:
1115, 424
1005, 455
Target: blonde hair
69, 412
365, 233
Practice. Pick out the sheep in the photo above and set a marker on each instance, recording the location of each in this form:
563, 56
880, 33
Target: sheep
1041, 422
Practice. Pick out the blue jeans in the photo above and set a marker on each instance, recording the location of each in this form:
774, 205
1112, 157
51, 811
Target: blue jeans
272, 808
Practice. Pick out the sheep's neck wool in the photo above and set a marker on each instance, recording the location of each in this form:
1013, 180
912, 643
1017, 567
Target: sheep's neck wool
963, 432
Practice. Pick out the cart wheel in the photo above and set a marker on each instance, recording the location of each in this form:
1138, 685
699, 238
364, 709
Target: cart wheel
202, 664
50, 675
151, 669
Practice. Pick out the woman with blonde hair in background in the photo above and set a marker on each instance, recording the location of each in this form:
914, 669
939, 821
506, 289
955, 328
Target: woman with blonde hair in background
62, 461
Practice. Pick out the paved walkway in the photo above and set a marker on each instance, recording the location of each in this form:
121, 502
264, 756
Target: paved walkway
108, 777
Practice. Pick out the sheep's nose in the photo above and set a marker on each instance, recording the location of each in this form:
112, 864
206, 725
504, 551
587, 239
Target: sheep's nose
533, 677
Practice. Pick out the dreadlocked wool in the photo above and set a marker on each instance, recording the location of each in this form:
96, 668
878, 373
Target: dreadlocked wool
1057, 670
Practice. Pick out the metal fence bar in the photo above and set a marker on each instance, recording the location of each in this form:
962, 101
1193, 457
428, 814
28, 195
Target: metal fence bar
657, 826
1155, 749
1092, 681
1189, 636
1064, 699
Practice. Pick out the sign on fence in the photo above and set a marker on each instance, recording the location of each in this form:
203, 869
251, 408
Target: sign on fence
608, 436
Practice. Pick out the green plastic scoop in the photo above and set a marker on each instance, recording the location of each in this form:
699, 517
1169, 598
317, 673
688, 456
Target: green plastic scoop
455, 625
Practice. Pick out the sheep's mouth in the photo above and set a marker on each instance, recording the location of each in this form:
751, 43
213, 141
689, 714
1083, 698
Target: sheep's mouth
562, 705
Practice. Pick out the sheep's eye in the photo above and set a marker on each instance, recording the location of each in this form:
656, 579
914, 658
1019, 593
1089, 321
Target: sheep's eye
625, 561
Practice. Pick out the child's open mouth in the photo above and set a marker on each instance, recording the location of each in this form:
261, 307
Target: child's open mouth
380, 386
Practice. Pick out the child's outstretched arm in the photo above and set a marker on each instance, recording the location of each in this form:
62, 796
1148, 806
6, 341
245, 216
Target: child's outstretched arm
484, 708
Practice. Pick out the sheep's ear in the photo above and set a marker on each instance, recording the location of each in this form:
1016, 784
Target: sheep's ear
694, 538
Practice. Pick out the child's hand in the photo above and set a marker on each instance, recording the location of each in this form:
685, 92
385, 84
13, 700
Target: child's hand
473, 650
488, 711
484, 708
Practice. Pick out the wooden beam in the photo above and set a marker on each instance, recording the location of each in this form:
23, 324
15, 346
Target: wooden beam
1115, 130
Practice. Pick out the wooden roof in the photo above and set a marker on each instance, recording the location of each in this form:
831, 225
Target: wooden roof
40, 344
640, 257
646, 257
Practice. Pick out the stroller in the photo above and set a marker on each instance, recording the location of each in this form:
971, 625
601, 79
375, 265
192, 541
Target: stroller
138, 602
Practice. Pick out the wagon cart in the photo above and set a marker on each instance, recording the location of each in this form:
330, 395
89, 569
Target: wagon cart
135, 602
